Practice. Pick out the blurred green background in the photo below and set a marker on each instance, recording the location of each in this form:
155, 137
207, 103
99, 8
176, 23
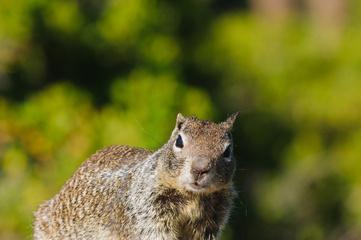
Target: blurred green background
76, 76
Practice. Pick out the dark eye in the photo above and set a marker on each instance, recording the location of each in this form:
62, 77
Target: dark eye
179, 142
229, 135
227, 152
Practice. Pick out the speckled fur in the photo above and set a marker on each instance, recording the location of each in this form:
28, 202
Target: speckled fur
123, 192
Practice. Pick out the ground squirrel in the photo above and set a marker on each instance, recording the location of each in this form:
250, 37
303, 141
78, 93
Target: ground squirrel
181, 191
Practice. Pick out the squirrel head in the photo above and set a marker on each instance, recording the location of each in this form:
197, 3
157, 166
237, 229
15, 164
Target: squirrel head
200, 158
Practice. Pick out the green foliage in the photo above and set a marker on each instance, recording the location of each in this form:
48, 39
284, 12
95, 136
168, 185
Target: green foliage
312, 87
76, 76
44, 139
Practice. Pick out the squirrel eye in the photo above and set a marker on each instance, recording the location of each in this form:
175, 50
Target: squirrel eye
229, 135
227, 152
179, 142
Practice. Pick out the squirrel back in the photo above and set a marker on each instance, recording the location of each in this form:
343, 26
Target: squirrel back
181, 191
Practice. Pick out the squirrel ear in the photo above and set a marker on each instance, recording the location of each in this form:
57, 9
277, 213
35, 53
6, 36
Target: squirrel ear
180, 120
228, 124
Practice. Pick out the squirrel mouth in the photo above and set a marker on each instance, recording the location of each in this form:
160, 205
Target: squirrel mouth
196, 187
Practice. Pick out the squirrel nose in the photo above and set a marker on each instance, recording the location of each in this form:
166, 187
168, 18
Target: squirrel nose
200, 168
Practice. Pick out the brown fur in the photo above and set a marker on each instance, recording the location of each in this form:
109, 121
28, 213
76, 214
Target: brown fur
123, 192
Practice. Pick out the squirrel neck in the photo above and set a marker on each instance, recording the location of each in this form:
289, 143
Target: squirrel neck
153, 171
